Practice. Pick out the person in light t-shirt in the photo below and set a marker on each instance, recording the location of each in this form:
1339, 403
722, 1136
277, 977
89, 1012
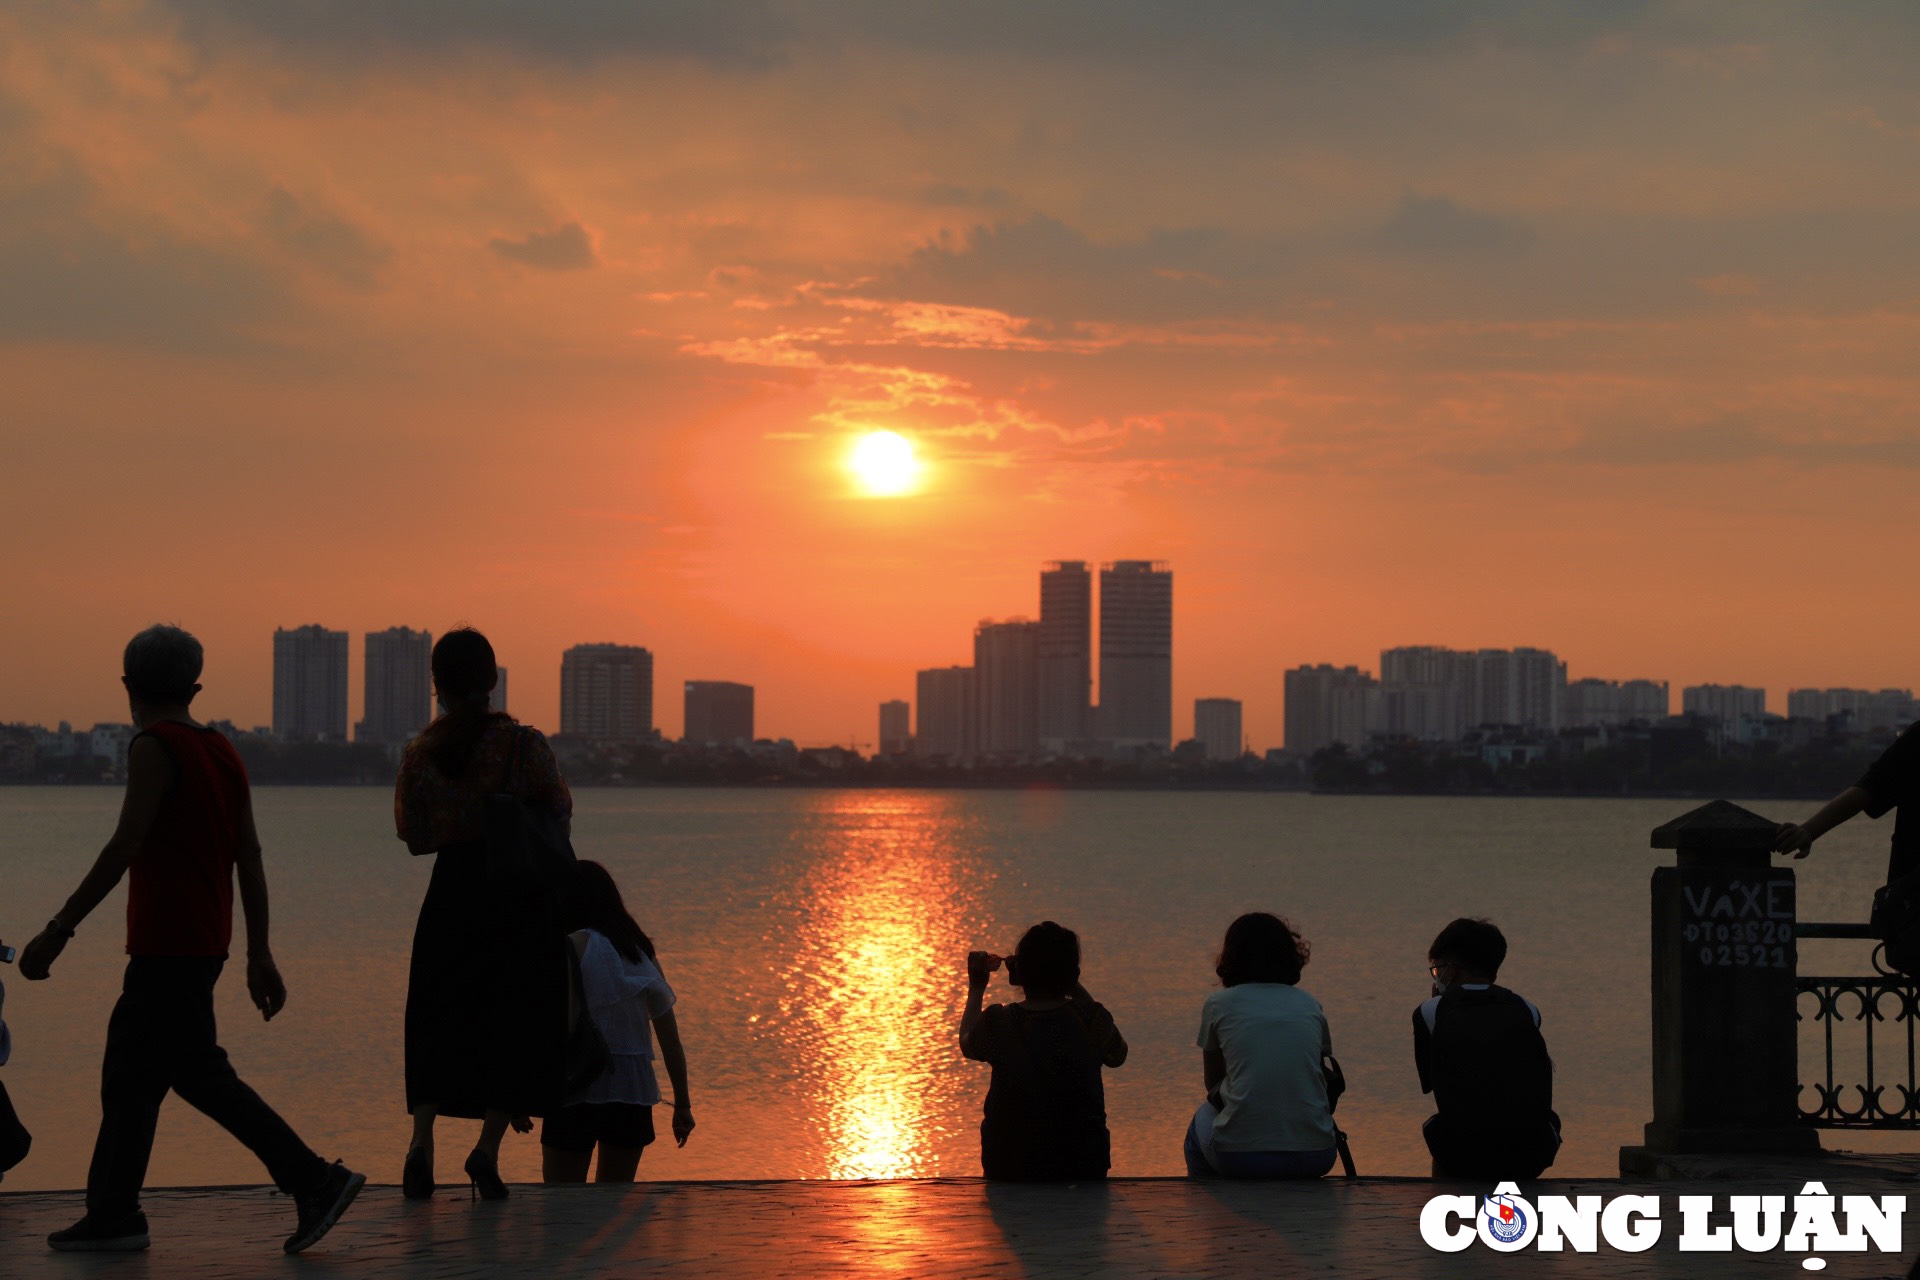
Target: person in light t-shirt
1262, 1040
630, 1002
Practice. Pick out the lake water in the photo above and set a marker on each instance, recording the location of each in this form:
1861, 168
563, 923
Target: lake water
817, 941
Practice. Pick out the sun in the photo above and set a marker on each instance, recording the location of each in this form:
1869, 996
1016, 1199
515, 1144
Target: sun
884, 464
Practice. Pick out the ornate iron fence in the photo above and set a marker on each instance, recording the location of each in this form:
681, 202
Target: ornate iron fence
1872, 1081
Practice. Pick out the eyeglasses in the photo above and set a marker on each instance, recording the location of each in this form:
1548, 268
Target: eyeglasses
1433, 970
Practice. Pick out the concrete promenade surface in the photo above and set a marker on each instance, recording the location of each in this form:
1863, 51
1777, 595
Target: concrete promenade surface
958, 1228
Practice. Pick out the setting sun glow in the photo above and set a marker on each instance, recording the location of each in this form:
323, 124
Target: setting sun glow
883, 463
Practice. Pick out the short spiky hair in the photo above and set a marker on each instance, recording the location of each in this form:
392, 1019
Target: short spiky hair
162, 664
1473, 944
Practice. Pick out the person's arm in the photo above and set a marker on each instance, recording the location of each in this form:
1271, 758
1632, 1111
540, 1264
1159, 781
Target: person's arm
980, 967
674, 1054
1798, 839
149, 774
408, 819
1213, 1069
264, 984
1113, 1051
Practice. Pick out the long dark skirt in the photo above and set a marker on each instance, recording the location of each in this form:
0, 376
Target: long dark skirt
486, 994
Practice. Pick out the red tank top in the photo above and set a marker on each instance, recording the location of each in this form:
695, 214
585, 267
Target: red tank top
180, 886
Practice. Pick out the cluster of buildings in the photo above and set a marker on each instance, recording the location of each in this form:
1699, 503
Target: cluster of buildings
1030, 690
606, 692
1426, 693
1034, 692
606, 696
310, 686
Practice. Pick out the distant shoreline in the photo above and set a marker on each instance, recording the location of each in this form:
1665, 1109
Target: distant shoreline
813, 784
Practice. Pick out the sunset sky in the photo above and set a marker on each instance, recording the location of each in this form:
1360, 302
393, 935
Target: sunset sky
1593, 327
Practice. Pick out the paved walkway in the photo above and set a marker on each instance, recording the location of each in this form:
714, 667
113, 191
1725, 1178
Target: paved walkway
960, 1229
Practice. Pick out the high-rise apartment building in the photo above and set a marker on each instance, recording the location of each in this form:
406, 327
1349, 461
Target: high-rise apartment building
1427, 692
310, 684
1217, 726
1613, 702
944, 705
1327, 705
1006, 676
1136, 653
1065, 654
497, 700
1865, 711
1728, 703
1436, 694
718, 713
606, 692
398, 693
896, 727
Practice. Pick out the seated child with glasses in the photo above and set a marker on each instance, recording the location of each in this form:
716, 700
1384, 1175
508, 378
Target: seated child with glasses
1480, 1054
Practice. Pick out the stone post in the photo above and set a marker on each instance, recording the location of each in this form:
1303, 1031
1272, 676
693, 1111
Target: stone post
1725, 1041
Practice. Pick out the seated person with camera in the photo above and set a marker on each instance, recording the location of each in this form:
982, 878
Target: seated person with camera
1046, 1111
1480, 1054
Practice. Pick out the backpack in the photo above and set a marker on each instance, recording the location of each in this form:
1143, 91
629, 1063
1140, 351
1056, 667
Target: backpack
527, 847
1896, 922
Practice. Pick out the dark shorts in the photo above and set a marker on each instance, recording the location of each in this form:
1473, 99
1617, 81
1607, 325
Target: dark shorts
579, 1127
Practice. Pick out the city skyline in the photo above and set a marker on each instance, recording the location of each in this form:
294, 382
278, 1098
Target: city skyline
1595, 334
312, 674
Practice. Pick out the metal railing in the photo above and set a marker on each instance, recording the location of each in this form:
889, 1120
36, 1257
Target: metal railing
1884, 1002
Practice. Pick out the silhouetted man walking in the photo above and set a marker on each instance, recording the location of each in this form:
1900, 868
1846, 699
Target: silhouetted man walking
186, 826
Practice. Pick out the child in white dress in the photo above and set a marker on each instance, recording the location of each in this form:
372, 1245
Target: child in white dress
629, 1001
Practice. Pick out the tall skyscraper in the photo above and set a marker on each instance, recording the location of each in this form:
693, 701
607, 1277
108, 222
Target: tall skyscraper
896, 727
1066, 654
1327, 705
310, 684
398, 697
1136, 653
606, 692
718, 713
498, 702
1216, 723
1006, 676
944, 703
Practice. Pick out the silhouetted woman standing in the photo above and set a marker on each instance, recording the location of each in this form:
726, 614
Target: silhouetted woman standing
487, 992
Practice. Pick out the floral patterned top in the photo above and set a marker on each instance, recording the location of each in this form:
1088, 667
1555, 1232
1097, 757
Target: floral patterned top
433, 810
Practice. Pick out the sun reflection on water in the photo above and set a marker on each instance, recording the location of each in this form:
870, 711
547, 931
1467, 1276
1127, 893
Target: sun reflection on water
883, 912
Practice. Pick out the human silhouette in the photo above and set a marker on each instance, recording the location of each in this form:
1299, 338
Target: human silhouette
15, 1141
1046, 1112
487, 987
628, 999
1262, 1042
186, 828
1478, 1050
1889, 784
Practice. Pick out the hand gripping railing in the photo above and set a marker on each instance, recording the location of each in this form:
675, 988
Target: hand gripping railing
1872, 1001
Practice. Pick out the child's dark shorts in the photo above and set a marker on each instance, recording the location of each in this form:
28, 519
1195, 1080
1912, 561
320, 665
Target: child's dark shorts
579, 1127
